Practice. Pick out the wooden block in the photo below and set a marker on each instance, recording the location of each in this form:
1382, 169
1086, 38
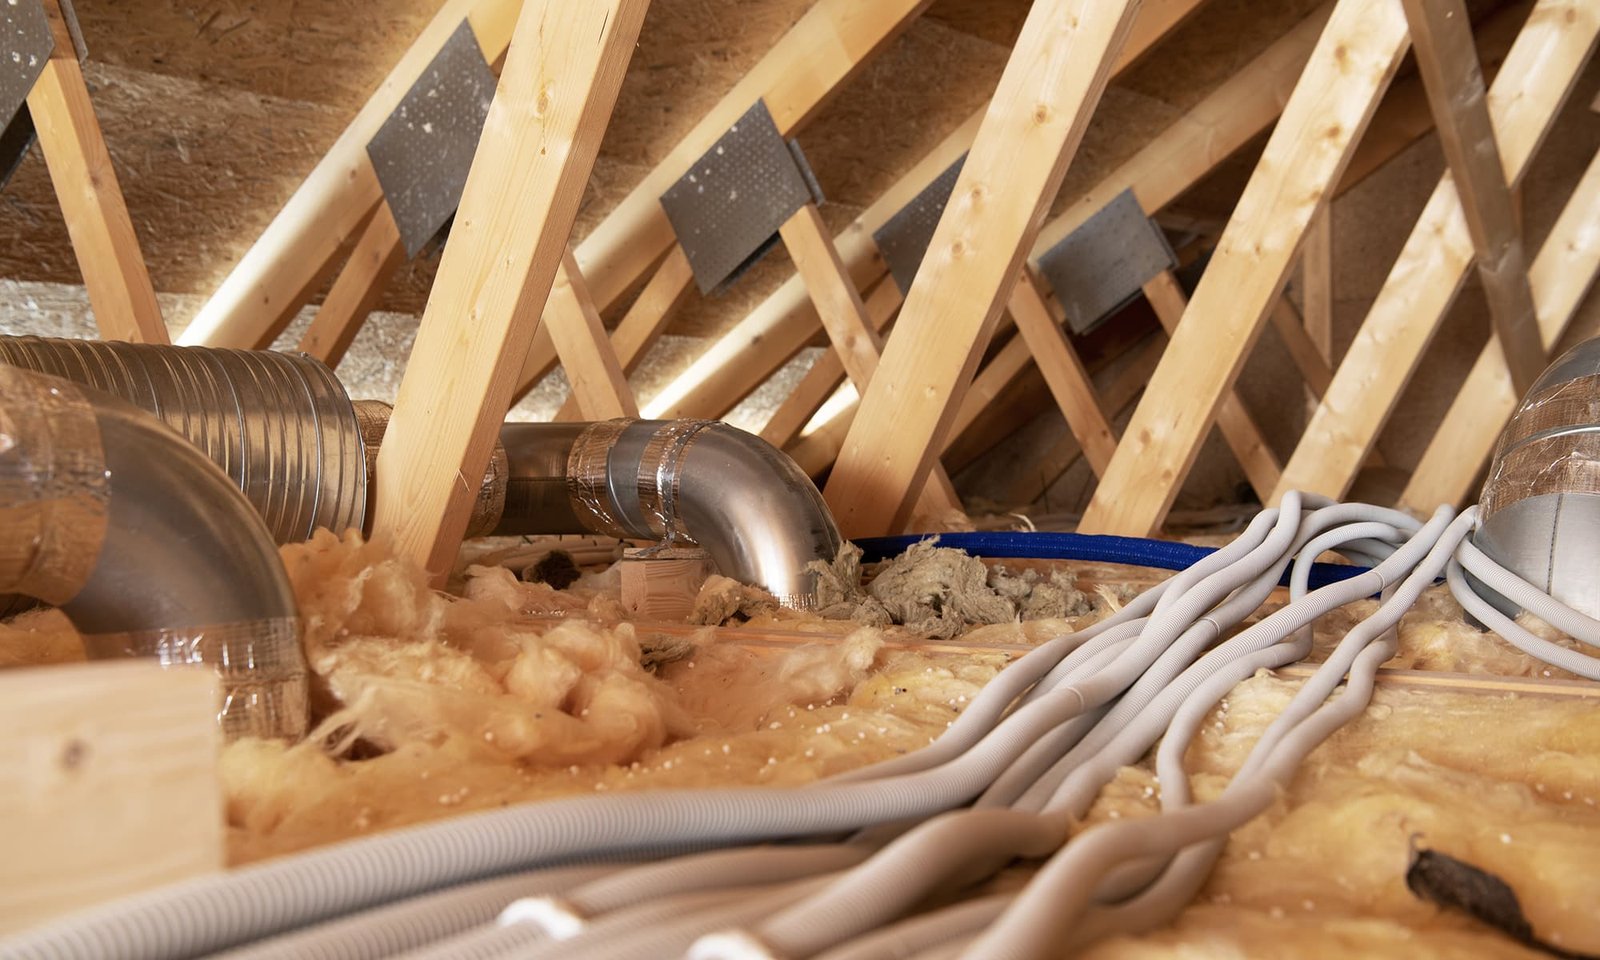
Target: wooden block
1562, 274
550, 109
1540, 69
278, 274
1343, 81
108, 784
1051, 84
639, 328
783, 323
85, 181
663, 585
378, 253
1064, 373
599, 386
1441, 35
1234, 421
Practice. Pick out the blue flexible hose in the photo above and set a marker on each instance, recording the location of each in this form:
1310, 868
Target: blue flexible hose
1133, 551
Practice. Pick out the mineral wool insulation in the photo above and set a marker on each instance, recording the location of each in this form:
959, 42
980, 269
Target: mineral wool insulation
430, 706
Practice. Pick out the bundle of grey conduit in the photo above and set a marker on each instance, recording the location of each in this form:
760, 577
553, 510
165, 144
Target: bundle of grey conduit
845, 869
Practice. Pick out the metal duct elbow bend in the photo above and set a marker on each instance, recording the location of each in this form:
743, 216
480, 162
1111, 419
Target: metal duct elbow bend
749, 506
1540, 507
147, 547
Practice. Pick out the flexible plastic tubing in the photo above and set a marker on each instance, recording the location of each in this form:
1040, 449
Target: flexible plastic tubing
713, 870
416, 921
1095, 548
925, 930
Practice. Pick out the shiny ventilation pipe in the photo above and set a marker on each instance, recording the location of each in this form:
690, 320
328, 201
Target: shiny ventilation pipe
147, 547
748, 505
1540, 506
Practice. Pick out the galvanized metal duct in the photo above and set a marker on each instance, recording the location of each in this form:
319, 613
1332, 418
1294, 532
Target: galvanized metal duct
1540, 506
279, 425
692, 481
147, 547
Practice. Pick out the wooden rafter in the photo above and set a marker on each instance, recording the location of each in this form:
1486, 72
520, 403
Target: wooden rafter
599, 387
1063, 372
1050, 87
378, 253
555, 95
85, 181
1441, 35
1539, 72
1336, 96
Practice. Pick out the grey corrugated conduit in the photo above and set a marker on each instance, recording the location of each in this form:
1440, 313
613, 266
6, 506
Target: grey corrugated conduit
1036, 745
146, 547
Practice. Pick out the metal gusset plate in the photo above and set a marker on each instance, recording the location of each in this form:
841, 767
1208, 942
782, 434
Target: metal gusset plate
1101, 266
423, 152
903, 239
727, 209
25, 45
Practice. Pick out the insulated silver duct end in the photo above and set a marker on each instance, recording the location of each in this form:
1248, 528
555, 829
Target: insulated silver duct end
690, 481
146, 546
1540, 508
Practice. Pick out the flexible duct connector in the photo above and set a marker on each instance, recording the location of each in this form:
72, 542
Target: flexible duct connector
1541, 502
147, 547
703, 482
279, 425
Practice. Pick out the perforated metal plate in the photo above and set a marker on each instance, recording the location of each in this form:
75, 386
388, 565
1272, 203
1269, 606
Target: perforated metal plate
727, 209
1099, 267
25, 45
903, 239
423, 152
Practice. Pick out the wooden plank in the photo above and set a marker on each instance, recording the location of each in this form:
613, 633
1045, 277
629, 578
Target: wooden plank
827, 372
1234, 421
378, 253
1441, 35
1051, 84
1526, 96
550, 109
783, 323
1336, 95
664, 584
1562, 274
641, 326
1063, 372
279, 272
85, 181
599, 386
108, 784
1123, 390
823, 50
854, 337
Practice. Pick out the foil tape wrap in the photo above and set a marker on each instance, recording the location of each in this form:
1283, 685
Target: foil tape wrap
53, 487
1551, 445
265, 688
588, 478
372, 420
660, 474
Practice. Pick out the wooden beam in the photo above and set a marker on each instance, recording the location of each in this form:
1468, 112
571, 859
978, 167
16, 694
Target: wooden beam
783, 323
641, 326
108, 784
1562, 274
1304, 350
1352, 64
85, 181
550, 109
1237, 426
1123, 390
1441, 35
1050, 87
378, 253
854, 337
279, 272
827, 372
599, 386
1524, 100
1063, 372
